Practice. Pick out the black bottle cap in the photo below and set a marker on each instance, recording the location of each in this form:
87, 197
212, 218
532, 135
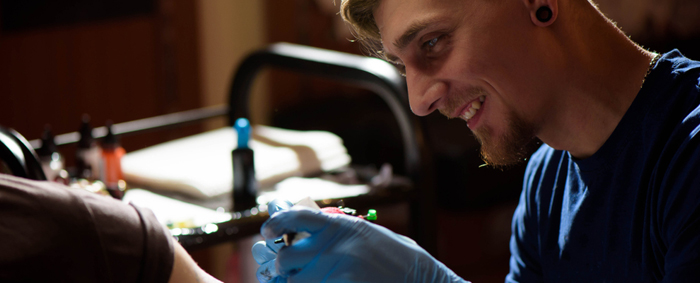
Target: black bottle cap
86, 138
110, 140
48, 145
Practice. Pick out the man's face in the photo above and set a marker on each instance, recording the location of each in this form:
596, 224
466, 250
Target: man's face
468, 59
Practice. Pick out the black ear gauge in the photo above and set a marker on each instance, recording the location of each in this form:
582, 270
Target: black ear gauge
544, 14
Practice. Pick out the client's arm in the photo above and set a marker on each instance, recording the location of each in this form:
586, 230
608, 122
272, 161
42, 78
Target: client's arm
186, 270
51, 232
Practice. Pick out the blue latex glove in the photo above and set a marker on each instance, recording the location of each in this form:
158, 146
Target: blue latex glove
348, 249
265, 252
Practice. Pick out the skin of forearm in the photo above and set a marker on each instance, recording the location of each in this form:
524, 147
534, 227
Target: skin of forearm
186, 270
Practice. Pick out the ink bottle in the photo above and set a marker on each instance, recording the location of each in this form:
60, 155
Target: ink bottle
52, 162
111, 168
244, 182
88, 153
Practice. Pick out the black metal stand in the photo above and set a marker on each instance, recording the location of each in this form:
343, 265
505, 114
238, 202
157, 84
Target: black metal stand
369, 73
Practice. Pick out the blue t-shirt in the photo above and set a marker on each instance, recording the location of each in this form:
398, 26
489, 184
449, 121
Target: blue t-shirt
630, 212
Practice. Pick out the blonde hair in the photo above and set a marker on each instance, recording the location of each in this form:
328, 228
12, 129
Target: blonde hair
360, 15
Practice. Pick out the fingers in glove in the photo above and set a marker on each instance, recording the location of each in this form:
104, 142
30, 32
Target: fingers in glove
266, 273
262, 253
318, 271
335, 241
278, 205
294, 220
294, 258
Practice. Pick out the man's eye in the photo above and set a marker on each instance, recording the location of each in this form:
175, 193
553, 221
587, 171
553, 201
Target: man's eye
431, 43
436, 45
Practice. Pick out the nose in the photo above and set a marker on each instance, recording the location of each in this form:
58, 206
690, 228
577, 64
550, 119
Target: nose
425, 94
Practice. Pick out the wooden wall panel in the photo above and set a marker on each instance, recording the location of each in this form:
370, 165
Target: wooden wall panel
306, 22
117, 69
53, 76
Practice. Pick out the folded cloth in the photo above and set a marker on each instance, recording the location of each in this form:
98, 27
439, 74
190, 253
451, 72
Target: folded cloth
175, 213
294, 189
200, 165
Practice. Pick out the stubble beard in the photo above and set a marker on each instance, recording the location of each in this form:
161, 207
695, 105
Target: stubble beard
512, 147
501, 151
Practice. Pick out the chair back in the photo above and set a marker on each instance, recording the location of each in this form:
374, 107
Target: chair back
18, 157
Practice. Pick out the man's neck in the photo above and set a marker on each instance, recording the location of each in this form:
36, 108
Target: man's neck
605, 73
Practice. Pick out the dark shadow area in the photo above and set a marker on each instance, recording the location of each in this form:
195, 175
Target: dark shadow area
31, 14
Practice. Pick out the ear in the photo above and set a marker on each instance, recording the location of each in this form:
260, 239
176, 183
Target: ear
539, 10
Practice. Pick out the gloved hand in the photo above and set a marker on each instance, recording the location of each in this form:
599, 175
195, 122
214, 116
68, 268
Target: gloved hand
265, 252
348, 249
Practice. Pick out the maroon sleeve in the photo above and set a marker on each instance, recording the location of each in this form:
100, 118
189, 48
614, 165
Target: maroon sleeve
51, 233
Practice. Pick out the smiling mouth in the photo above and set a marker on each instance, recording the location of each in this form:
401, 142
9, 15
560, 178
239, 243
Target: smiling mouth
473, 108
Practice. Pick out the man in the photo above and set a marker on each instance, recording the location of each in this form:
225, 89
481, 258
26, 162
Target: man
613, 194
52, 233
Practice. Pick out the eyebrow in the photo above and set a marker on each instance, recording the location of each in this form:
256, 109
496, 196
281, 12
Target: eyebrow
413, 30
411, 33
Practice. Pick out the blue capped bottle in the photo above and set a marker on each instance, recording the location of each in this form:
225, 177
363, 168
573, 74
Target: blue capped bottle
244, 182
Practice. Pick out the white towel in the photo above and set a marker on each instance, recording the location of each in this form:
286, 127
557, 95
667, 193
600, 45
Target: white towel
200, 165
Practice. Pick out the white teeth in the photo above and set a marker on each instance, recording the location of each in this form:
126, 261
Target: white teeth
469, 114
474, 107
